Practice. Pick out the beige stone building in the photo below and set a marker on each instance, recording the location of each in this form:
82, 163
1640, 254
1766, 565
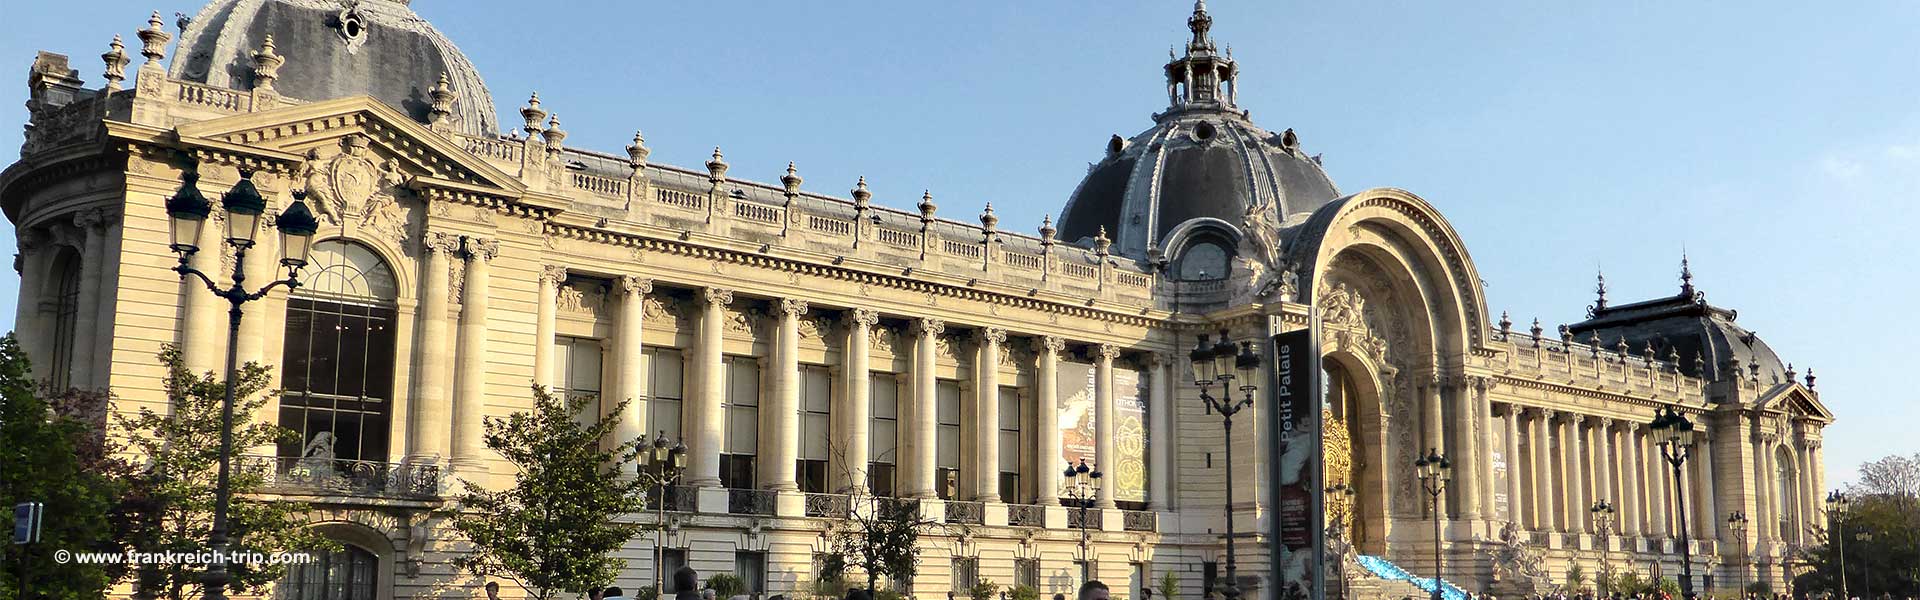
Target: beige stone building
813, 350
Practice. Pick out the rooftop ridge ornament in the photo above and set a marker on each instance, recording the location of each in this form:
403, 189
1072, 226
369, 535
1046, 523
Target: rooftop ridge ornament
791, 183
1600, 291
532, 114
153, 41
443, 96
266, 66
989, 222
1686, 277
637, 152
926, 206
717, 167
862, 197
116, 59
1200, 24
1047, 230
553, 135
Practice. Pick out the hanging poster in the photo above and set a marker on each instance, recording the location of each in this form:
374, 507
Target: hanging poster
1075, 398
1079, 427
1296, 496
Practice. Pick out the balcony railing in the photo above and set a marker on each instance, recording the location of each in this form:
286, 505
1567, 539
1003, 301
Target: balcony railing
1083, 519
680, 498
750, 502
1140, 520
831, 506
1026, 515
336, 477
895, 506
968, 513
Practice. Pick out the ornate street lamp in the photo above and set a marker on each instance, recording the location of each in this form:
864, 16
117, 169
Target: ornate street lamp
1086, 484
1345, 494
660, 469
1737, 523
1602, 512
187, 212
1435, 471
1866, 575
1677, 446
1837, 505
1215, 364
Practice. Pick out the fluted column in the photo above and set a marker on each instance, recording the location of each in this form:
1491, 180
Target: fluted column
1659, 492
780, 419
856, 404
469, 402
1516, 509
1466, 422
26, 316
986, 364
551, 276
1761, 487
1603, 462
203, 340
1046, 382
1430, 420
1104, 421
704, 416
1814, 478
1771, 479
630, 350
1630, 475
86, 320
1576, 482
924, 441
1160, 436
1706, 509
1485, 440
431, 410
1546, 501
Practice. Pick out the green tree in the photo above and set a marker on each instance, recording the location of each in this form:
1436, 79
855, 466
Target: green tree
53, 451
556, 528
1169, 586
1576, 578
1882, 547
726, 585
982, 590
878, 538
169, 500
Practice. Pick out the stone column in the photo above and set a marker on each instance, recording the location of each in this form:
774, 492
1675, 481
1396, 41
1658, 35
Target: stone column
1104, 421
1467, 427
86, 320
1546, 505
856, 404
1659, 494
924, 441
1430, 420
1603, 464
1516, 503
1160, 433
1771, 481
1761, 486
203, 335
1046, 382
1631, 502
551, 276
469, 403
704, 419
1578, 495
432, 408
1816, 481
630, 350
1707, 509
780, 416
26, 315
1486, 441
262, 266
986, 364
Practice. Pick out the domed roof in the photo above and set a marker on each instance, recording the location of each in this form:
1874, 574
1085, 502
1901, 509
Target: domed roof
334, 49
1682, 327
1202, 162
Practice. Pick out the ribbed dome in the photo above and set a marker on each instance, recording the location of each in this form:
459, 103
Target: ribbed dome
334, 49
1684, 326
1201, 167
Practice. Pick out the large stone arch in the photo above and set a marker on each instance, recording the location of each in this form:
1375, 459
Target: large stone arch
1355, 392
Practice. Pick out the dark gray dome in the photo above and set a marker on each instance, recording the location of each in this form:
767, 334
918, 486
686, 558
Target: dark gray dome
1203, 165
334, 49
1685, 326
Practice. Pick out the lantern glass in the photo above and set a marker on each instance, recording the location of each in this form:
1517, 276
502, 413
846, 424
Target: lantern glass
186, 232
1223, 357
1202, 359
242, 227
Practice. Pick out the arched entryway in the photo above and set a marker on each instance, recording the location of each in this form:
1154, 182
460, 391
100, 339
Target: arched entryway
348, 573
1355, 448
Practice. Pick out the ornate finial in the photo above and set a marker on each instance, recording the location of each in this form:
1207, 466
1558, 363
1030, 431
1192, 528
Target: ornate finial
1046, 230
532, 114
1753, 370
717, 167
861, 197
116, 59
1621, 346
1600, 290
1506, 324
1566, 334
637, 152
1200, 23
266, 66
443, 96
554, 135
1648, 351
1673, 356
1791, 373
1686, 277
989, 222
1809, 378
1100, 242
791, 181
1699, 364
153, 41
926, 206
1593, 341
1536, 330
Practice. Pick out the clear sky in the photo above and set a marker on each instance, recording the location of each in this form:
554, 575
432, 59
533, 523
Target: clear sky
1777, 142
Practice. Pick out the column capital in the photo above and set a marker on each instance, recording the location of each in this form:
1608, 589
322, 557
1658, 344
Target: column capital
720, 296
435, 242
865, 317
993, 335
631, 285
929, 326
1106, 351
94, 218
1605, 423
481, 249
553, 275
30, 240
1160, 359
1049, 343
790, 307
1568, 417
1545, 413
1483, 383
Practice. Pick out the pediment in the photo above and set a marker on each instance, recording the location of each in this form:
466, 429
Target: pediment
395, 142
1795, 400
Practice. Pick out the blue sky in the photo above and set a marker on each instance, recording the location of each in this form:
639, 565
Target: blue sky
1777, 142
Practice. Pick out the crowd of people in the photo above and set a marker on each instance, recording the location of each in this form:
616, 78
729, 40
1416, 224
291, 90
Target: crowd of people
1666, 596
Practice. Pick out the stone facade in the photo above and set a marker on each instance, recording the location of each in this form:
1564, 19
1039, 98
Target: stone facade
494, 262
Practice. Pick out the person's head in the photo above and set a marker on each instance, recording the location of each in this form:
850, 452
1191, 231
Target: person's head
685, 578
596, 594
1094, 590
1059, 597
709, 594
612, 592
493, 589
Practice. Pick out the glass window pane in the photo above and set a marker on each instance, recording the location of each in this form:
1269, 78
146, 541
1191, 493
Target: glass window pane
664, 415
562, 355
947, 401
881, 441
743, 429
584, 366
1009, 451
883, 394
814, 436
743, 381
1010, 417
816, 391
664, 367
949, 446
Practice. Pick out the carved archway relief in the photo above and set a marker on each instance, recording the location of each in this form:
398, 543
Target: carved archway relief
1360, 378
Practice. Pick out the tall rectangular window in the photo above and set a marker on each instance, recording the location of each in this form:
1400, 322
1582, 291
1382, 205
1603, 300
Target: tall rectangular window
1011, 450
947, 449
883, 435
751, 567
337, 378
665, 370
577, 374
816, 427
1026, 571
1137, 581
966, 573
672, 559
742, 406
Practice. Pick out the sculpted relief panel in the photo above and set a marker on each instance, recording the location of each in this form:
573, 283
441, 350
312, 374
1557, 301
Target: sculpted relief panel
351, 188
1361, 311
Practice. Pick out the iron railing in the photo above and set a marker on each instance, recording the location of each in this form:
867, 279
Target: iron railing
680, 498
341, 477
831, 506
1083, 519
750, 502
897, 506
968, 513
1140, 520
1026, 515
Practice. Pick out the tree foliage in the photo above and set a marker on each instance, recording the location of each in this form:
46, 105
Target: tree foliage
878, 537
53, 451
557, 527
1880, 536
169, 500
1894, 476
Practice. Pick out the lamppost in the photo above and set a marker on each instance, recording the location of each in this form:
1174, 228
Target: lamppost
1602, 512
1677, 446
1866, 575
660, 468
1345, 494
187, 212
1435, 471
1215, 364
1086, 482
1837, 504
1737, 522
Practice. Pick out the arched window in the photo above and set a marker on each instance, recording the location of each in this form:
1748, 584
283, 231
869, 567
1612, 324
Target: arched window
1786, 505
65, 293
1207, 258
337, 375
350, 573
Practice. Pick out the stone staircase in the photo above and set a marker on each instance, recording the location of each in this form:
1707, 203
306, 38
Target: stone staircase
1390, 582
